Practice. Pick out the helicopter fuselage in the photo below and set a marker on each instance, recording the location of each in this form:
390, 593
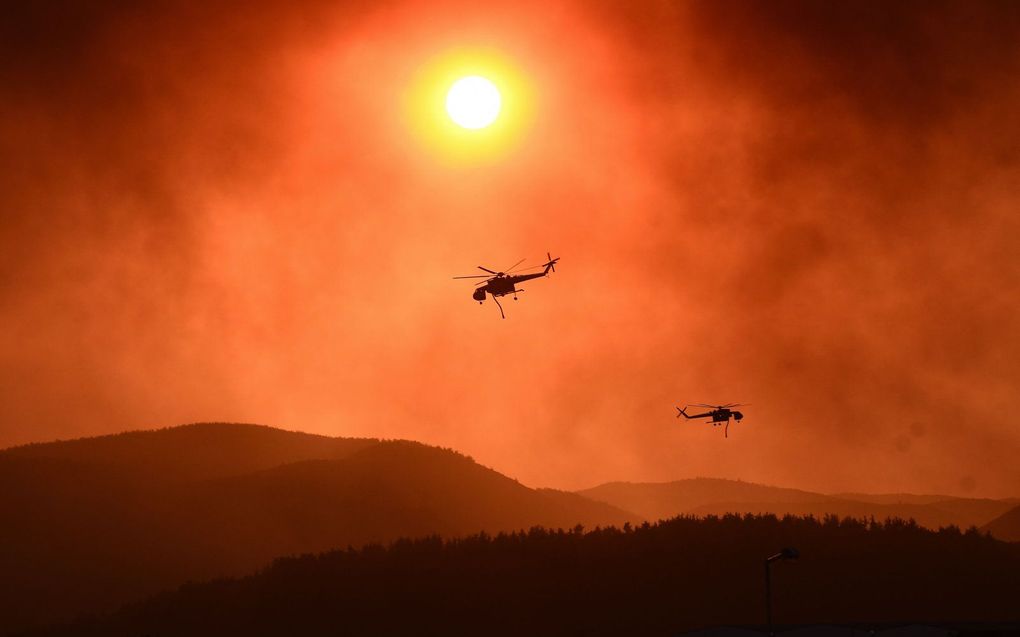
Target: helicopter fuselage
503, 285
719, 415
723, 415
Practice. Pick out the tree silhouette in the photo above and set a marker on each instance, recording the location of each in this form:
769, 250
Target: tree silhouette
654, 579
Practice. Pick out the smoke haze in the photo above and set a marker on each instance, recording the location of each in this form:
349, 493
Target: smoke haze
220, 213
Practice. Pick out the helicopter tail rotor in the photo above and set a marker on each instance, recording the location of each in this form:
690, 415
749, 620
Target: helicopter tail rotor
551, 263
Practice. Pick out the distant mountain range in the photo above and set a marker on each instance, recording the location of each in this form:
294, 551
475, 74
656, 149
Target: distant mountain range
92, 523
709, 496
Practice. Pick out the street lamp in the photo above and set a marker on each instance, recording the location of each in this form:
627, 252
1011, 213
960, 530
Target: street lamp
789, 553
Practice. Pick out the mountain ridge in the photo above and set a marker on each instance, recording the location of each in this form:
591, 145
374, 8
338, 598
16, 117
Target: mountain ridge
1006, 526
715, 496
95, 523
196, 450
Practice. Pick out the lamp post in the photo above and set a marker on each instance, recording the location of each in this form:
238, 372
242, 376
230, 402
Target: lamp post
789, 553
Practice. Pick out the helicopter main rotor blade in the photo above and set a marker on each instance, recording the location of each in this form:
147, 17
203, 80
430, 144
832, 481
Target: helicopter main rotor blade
473, 276
704, 405
531, 267
511, 268
487, 270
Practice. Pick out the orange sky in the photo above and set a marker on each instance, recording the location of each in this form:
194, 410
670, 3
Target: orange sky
220, 213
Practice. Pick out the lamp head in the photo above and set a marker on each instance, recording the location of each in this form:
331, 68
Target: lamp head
788, 553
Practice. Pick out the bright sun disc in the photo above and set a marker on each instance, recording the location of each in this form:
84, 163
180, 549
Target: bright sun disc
473, 102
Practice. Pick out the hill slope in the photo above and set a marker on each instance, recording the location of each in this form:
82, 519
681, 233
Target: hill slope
653, 580
194, 452
664, 500
705, 496
1006, 526
89, 526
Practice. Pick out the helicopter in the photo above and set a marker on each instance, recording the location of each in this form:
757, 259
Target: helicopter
502, 283
719, 414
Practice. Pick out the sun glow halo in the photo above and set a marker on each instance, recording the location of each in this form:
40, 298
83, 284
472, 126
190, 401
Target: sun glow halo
469, 105
473, 102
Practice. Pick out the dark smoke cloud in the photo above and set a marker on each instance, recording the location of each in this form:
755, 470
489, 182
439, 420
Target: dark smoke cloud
216, 213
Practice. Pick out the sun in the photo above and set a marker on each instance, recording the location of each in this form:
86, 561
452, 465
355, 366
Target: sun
473, 102
470, 106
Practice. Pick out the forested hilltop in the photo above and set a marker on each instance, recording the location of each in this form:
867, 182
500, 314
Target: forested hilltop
94, 523
653, 579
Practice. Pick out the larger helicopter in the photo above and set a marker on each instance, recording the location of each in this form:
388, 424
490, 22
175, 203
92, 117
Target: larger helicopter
719, 414
502, 283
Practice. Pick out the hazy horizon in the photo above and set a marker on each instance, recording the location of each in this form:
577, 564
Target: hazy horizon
622, 480
221, 213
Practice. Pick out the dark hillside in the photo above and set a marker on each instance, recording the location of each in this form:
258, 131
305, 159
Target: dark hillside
892, 498
1005, 527
964, 512
195, 452
653, 580
932, 516
665, 500
391, 490
87, 527
704, 496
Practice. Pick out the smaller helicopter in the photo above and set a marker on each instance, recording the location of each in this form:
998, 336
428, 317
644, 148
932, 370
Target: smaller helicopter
719, 414
502, 283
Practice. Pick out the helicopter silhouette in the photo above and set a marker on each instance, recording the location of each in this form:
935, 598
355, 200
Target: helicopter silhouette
503, 283
719, 414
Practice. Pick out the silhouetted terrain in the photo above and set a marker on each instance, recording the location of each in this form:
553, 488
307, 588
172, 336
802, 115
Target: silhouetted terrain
90, 524
652, 580
194, 452
1006, 526
705, 496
